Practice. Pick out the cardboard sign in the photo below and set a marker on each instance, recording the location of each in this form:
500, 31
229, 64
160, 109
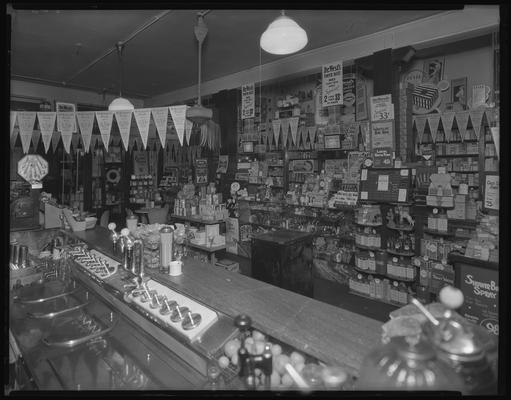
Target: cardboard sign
248, 101
140, 166
382, 135
480, 287
332, 84
382, 108
223, 162
201, 170
232, 235
491, 192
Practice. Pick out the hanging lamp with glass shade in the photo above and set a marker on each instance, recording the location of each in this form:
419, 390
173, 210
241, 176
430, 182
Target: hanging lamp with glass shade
199, 114
283, 36
120, 103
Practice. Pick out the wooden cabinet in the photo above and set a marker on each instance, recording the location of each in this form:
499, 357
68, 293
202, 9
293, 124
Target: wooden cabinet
284, 258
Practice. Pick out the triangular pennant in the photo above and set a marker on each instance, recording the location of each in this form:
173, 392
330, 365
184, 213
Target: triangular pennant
25, 142
14, 115
104, 119
293, 124
14, 136
26, 121
495, 134
178, 114
123, 119
65, 125
36, 136
66, 141
188, 128
312, 134
461, 122
285, 128
420, 124
276, 123
447, 121
490, 116
160, 117
143, 118
476, 116
55, 139
433, 121
85, 123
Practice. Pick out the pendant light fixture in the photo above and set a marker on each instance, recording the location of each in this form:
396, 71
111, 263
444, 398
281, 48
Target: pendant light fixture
199, 114
283, 36
120, 103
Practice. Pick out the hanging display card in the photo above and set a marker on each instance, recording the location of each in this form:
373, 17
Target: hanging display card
85, 123
382, 108
355, 161
223, 163
480, 288
332, 84
201, 170
248, 101
178, 114
491, 192
140, 166
382, 143
104, 119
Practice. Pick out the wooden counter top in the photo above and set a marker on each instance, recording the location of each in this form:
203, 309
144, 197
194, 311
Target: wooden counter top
329, 333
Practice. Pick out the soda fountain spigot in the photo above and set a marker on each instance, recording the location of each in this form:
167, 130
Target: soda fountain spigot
249, 362
115, 236
127, 248
138, 269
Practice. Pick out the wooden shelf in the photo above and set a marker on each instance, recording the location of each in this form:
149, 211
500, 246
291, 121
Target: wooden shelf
368, 224
370, 248
401, 228
198, 220
399, 253
436, 232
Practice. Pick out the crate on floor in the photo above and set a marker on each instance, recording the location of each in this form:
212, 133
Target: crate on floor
228, 265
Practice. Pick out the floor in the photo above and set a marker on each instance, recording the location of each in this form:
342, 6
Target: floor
334, 294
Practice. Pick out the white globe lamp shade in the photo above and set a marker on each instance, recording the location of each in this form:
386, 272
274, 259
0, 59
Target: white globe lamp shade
283, 36
120, 104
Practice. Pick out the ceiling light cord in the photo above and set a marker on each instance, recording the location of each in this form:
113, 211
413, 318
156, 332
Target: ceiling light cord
120, 48
201, 31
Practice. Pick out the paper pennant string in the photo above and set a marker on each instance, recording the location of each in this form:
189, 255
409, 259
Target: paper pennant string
188, 128
312, 134
160, 118
304, 134
25, 141
495, 134
447, 121
123, 119
14, 137
433, 121
293, 124
66, 141
36, 136
26, 121
143, 118
85, 123
104, 119
420, 124
178, 114
276, 124
462, 121
490, 116
55, 139
476, 116
66, 122
14, 115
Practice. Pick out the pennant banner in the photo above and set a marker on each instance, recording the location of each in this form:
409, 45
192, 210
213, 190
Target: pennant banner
85, 123
14, 115
178, 114
104, 119
303, 133
462, 121
65, 125
36, 136
143, 118
160, 117
490, 116
276, 123
311, 130
447, 121
188, 128
293, 124
123, 119
26, 121
476, 116
420, 124
14, 137
55, 140
433, 121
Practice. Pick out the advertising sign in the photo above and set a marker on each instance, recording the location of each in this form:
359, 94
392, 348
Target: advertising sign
332, 84
248, 101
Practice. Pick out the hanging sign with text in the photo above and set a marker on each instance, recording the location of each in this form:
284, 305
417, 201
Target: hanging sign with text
382, 108
332, 84
248, 101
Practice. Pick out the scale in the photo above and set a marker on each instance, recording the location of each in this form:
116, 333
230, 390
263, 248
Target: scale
24, 207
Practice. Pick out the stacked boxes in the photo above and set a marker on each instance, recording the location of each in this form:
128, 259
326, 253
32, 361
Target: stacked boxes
424, 96
460, 208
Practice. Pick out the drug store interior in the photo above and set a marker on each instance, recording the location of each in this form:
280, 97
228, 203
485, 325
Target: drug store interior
283, 200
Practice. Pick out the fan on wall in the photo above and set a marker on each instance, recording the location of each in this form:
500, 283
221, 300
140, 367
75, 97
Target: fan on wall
198, 114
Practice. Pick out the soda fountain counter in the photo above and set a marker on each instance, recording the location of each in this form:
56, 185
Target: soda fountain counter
83, 325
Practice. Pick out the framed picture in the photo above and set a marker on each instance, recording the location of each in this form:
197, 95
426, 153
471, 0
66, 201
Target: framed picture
433, 70
459, 93
63, 107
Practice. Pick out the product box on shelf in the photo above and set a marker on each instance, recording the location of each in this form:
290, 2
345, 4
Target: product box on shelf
441, 275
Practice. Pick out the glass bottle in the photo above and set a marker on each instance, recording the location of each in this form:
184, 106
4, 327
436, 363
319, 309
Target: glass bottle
215, 379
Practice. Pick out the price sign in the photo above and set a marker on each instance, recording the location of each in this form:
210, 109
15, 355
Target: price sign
491, 192
382, 108
332, 84
248, 101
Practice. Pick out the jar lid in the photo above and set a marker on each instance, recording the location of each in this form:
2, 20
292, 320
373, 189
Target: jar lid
458, 338
414, 348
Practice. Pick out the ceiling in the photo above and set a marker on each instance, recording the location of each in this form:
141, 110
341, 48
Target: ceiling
55, 46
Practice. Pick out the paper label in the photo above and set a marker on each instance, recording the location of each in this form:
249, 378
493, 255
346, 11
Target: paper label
363, 195
248, 101
382, 108
441, 170
383, 183
363, 175
401, 195
404, 172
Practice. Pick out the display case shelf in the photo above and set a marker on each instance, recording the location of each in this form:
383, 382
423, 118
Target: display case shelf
370, 248
401, 228
400, 253
354, 292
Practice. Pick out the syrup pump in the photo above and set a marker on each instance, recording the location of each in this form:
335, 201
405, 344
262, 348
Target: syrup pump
462, 344
115, 236
249, 362
131, 263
